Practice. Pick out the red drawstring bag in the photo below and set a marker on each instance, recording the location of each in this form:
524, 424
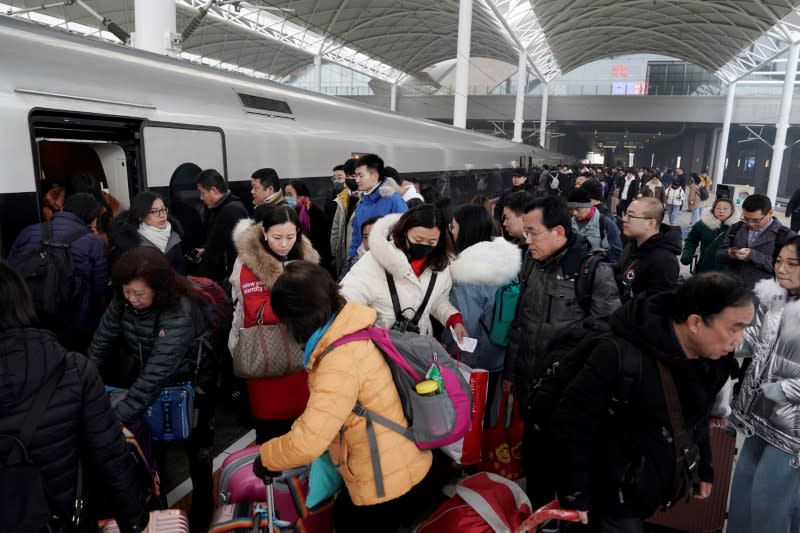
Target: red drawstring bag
501, 453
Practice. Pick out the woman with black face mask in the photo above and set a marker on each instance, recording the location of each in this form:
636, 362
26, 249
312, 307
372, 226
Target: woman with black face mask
405, 276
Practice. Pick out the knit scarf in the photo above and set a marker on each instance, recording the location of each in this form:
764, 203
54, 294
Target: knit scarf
303, 207
273, 199
313, 340
157, 237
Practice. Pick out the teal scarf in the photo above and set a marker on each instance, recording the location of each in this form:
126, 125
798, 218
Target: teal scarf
313, 340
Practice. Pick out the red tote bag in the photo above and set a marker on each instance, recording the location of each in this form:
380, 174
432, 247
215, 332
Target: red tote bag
502, 443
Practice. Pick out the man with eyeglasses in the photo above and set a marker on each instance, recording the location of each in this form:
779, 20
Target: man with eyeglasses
751, 242
548, 299
649, 262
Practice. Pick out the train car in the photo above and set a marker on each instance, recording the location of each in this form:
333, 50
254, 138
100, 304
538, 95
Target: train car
70, 103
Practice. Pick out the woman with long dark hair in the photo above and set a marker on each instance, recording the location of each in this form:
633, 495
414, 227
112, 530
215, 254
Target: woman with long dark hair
152, 315
77, 425
412, 251
148, 223
313, 221
765, 494
265, 248
307, 301
482, 264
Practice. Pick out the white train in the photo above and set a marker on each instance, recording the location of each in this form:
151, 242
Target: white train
70, 103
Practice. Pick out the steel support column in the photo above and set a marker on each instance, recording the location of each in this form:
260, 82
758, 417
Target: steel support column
722, 149
393, 98
522, 85
318, 73
783, 122
155, 26
462, 63
543, 127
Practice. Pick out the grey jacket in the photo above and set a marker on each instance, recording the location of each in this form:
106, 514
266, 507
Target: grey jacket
759, 265
547, 303
773, 341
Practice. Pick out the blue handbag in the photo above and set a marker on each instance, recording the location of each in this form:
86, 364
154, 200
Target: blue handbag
170, 415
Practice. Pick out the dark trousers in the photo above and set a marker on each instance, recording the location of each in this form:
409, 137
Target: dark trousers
607, 524
388, 517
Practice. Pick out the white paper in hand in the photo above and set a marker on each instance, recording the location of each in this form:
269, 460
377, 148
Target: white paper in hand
467, 344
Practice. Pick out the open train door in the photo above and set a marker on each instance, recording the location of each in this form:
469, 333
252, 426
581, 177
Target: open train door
173, 154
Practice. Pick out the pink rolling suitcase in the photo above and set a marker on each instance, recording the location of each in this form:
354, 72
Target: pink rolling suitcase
169, 521
240, 492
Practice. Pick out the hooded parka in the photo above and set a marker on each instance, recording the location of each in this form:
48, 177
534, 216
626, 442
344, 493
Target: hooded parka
254, 273
355, 372
384, 200
708, 233
652, 267
366, 282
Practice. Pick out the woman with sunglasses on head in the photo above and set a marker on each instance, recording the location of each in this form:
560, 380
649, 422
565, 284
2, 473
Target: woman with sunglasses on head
148, 223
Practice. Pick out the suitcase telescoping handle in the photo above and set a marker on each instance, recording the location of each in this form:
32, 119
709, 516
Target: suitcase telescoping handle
551, 511
270, 507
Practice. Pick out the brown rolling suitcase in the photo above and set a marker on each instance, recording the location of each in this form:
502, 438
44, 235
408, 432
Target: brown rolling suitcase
705, 516
168, 521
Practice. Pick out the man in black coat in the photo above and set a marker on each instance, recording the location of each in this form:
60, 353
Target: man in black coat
793, 210
649, 262
224, 211
615, 459
519, 182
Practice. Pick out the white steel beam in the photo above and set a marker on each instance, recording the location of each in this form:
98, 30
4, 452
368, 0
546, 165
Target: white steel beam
393, 97
276, 28
462, 63
543, 127
783, 123
722, 150
318, 73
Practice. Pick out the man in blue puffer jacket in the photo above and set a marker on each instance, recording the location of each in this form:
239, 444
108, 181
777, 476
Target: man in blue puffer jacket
379, 196
90, 265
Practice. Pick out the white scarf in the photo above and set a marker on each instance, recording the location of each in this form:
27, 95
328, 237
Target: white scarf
158, 237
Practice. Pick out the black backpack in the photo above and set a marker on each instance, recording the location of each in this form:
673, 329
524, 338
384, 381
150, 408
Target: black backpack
25, 507
49, 273
703, 192
584, 278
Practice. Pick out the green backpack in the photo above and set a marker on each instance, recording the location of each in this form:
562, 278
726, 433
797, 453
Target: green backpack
505, 308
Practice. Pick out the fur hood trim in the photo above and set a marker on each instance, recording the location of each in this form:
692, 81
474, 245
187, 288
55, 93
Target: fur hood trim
770, 293
713, 222
487, 263
249, 238
774, 297
388, 188
384, 251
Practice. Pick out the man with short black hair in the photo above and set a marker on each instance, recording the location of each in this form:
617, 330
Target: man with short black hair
750, 243
380, 196
649, 262
223, 211
548, 299
519, 183
513, 217
266, 187
611, 435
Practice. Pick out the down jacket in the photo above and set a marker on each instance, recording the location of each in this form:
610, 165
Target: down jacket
356, 372
288, 394
384, 200
547, 303
366, 282
707, 233
773, 341
478, 272
159, 341
78, 424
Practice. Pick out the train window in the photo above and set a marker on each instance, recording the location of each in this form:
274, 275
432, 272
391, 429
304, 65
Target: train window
166, 146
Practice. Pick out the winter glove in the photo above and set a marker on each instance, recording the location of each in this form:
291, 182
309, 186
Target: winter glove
774, 391
261, 471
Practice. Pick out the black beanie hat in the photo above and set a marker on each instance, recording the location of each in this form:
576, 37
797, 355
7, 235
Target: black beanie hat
579, 198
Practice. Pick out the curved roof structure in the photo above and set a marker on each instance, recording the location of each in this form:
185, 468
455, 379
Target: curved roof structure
393, 39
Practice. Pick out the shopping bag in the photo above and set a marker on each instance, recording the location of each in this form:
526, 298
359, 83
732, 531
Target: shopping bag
467, 450
502, 443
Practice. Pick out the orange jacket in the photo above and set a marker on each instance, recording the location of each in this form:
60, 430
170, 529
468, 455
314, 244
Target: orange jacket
355, 371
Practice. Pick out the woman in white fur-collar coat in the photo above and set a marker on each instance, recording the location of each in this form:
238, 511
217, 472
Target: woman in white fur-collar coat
410, 248
483, 265
765, 495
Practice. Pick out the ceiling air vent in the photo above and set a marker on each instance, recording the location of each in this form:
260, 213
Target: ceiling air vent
265, 106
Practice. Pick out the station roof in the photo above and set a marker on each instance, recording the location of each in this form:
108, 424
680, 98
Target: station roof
394, 39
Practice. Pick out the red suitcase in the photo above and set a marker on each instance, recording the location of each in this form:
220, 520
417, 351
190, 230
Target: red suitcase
705, 516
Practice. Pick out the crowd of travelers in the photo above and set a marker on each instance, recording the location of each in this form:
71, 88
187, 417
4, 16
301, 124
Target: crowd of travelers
607, 343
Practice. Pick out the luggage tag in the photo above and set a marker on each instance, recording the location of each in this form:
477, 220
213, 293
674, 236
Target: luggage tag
467, 344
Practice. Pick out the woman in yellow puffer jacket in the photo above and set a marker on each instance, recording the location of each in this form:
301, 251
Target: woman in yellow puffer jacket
307, 301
